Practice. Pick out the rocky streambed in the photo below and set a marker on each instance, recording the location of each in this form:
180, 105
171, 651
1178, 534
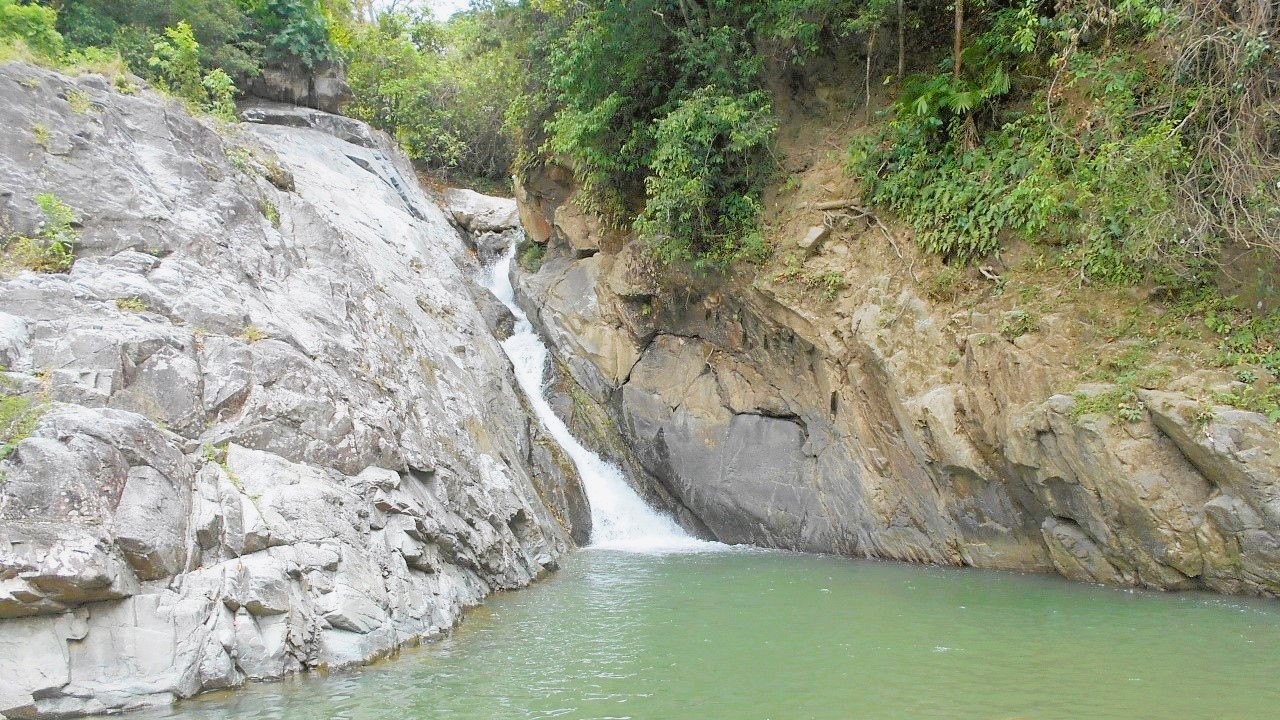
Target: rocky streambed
269, 429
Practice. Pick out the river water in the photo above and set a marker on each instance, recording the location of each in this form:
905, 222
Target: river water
651, 624
752, 635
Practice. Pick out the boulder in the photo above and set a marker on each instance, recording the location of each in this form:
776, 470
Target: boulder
323, 87
478, 213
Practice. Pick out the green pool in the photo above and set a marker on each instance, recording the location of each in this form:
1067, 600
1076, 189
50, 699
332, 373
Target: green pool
736, 635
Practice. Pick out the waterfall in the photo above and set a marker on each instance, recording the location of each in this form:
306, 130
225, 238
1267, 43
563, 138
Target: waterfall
620, 519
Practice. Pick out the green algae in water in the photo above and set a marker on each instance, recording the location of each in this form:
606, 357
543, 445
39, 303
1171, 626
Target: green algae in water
776, 636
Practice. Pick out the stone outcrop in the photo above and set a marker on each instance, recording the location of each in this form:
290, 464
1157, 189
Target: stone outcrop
323, 87
478, 213
272, 430
873, 423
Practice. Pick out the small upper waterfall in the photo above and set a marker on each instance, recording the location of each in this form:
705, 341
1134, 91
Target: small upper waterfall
620, 519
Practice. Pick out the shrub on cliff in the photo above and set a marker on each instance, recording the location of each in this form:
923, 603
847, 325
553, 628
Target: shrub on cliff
660, 100
295, 30
235, 36
176, 68
701, 204
51, 248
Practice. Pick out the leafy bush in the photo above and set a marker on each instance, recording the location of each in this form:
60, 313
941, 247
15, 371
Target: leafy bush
220, 94
295, 30
176, 63
667, 111
236, 36
52, 248
33, 25
1057, 132
702, 194
177, 70
225, 30
442, 89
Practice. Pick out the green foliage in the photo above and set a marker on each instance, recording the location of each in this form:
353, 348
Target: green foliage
176, 63
33, 25
644, 105
18, 418
131, 304
1016, 323
796, 30
79, 101
218, 454
945, 284
253, 334
51, 250
295, 30
176, 67
702, 196
220, 95
41, 135
1069, 128
269, 211
443, 89
1109, 195
531, 254
236, 36
1121, 403
831, 282
1245, 338
1264, 401
241, 158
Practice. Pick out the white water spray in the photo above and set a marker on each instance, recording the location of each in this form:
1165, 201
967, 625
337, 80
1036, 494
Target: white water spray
620, 519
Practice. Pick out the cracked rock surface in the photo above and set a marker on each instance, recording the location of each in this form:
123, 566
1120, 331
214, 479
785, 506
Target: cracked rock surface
274, 430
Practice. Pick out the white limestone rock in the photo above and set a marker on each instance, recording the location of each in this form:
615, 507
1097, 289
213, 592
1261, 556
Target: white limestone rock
304, 450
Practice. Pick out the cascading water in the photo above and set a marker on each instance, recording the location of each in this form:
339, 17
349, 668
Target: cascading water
620, 519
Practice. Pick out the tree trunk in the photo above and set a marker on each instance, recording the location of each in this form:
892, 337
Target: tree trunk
871, 48
958, 47
902, 35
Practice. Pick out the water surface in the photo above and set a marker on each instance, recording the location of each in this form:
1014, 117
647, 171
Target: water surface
758, 635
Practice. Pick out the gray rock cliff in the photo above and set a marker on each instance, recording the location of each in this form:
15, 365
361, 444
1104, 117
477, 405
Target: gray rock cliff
872, 423
272, 431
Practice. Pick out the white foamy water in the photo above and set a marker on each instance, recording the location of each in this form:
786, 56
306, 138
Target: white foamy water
620, 519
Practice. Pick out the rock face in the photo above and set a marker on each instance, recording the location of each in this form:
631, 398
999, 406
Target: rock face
323, 87
273, 431
481, 213
872, 424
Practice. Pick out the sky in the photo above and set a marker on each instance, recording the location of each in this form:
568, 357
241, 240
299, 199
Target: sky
440, 9
444, 8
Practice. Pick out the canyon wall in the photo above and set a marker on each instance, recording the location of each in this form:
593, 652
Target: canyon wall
871, 421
